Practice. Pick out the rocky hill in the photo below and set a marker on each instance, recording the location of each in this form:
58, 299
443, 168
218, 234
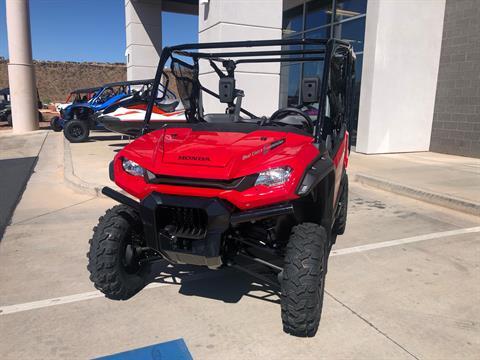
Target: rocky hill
56, 79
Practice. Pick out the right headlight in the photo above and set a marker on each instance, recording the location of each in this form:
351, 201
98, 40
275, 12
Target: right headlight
132, 167
274, 177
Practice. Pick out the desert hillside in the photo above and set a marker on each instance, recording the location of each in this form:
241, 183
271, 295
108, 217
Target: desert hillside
55, 79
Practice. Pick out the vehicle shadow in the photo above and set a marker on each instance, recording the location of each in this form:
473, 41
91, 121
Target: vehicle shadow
107, 137
118, 145
225, 284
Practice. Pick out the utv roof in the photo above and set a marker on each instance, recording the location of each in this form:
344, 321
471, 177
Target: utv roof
131, 82
85, 90
182, 49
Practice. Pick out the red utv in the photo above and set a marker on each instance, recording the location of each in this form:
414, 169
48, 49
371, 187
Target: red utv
225, 188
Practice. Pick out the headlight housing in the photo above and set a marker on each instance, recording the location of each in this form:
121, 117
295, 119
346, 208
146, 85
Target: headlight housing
274, 177
132, 167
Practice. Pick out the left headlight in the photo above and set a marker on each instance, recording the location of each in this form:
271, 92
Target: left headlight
274, 177
132, 167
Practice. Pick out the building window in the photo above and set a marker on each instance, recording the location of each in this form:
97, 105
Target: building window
318, 13
292, 17
347, 9
353, 31
342, 19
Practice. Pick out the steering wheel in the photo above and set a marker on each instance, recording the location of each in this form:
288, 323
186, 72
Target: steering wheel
281, 113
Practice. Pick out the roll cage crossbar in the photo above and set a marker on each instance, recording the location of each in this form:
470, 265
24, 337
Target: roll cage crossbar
130, 83
328, 47
86, 90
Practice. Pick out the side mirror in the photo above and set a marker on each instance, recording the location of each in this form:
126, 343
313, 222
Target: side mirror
226, 89
310, 89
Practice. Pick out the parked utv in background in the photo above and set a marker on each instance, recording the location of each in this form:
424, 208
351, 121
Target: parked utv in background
126, 116
78, 96
6, 109
78, 119
236, 188
75, 97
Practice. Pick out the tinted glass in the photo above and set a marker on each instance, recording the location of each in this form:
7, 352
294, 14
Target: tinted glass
346, 9
356, 101
323, 33
292, 17
318, 13
353, 31
292, 47
293, 84
185, 81
313, 69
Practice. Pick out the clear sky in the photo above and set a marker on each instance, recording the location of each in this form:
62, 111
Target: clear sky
89, 30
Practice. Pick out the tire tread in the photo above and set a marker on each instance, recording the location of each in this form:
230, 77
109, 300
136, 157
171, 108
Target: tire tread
303, 273
104, 262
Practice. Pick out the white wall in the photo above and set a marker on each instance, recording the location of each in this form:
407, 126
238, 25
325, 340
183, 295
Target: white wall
143, 28
234, 20
399, 77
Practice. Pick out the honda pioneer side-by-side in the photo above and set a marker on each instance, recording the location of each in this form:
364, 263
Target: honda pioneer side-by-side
236, 188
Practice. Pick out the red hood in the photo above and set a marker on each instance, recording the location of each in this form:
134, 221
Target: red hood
213, 154
213, 149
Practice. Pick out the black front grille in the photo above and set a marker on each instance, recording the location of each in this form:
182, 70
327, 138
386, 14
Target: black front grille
239, 184
183, 222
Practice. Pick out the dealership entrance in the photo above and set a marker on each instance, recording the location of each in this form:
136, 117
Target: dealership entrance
321, 19
397, 65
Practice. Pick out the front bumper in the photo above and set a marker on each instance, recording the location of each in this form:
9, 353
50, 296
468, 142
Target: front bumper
197, 240
190, 230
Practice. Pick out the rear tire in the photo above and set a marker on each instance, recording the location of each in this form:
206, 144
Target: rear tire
341, 221
9, 120
303, 280
55, 124
109, 271
76, 131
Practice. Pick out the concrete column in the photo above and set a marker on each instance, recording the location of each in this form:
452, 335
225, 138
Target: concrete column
143, 27
399, 76
237, 20
21, 73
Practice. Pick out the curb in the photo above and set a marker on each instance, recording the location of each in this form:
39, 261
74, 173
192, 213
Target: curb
431, 197
74, 182
9, 133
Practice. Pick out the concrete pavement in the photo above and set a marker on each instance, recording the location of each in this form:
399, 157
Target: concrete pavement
418, 299
446, 180
17, 159
86, 167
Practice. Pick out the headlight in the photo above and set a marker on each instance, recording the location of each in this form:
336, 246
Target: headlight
132, 167
274, 177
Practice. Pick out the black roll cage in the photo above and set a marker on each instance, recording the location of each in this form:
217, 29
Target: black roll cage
85, 90
329, 48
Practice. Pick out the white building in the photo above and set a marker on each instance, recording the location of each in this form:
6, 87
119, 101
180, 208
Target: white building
417, 61
398, 46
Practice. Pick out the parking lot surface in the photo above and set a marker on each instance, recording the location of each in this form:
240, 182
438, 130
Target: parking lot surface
403, 283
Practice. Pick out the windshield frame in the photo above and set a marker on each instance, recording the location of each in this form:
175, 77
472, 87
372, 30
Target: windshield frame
329, 48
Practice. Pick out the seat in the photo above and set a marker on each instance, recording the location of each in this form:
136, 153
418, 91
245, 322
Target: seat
167, 107
218, 118
294, 120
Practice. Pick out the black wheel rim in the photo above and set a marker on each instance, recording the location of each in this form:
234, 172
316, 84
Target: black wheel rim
76, 131
131, 255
